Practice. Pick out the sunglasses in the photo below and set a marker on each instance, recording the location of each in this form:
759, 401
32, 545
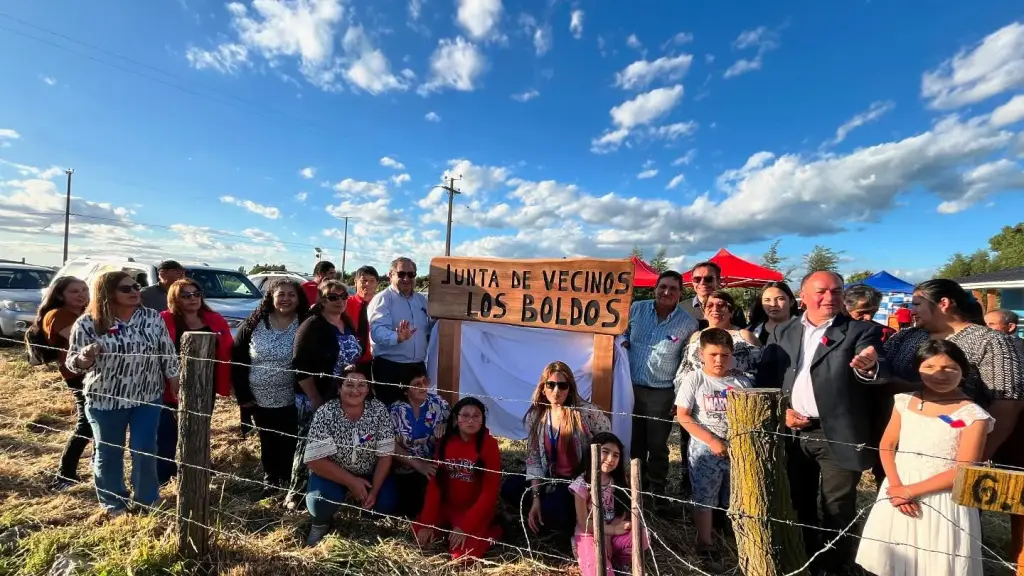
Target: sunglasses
705, 279
128, 289
405, 275
190, 295
551, 384
335, 297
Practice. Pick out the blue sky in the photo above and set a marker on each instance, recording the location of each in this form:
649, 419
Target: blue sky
240, 132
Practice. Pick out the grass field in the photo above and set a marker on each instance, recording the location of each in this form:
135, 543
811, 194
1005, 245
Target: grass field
254, 537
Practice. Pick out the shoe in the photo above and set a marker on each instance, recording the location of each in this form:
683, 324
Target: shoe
291, 501
710, 558
62, 483
317, 533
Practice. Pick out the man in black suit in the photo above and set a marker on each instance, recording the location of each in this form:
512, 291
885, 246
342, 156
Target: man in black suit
824, 363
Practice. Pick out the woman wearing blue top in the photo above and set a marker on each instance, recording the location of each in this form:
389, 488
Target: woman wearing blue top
325, 345
419, 421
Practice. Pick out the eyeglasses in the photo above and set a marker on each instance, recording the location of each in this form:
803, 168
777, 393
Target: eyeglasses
129, 288
405, 275
473, 417
717, 306
332, 297
704, 279
551, 384
190, 295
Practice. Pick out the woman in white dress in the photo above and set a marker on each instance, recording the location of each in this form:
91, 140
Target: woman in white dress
914, 527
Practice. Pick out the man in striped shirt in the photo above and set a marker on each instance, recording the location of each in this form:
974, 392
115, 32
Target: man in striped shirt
658, 333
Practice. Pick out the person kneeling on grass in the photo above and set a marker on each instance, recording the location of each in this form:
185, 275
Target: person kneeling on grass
618, 545
463, 494
349, 450
419, 421
700, 409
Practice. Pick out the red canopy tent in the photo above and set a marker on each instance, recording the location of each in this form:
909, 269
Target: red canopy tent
738, 273
643, 275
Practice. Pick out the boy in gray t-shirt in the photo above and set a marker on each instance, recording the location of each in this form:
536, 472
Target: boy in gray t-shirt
700, 409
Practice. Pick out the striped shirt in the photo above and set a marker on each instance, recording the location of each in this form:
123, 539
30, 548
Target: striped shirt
656, 346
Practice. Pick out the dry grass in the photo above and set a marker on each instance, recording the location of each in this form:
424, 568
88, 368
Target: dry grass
254, 537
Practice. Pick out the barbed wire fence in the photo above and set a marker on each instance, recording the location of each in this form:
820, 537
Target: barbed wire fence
528, 553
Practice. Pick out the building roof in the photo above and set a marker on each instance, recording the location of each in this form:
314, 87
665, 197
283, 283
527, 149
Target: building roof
1009, 278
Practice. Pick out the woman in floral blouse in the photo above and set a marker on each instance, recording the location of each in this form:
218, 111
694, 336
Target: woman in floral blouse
746, 350
419, 421
125, 353
349, 451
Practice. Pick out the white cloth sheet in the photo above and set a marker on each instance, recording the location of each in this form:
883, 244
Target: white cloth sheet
501, 366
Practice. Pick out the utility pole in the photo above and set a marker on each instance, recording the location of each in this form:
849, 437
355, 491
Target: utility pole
451, 201
67, 214
344, 249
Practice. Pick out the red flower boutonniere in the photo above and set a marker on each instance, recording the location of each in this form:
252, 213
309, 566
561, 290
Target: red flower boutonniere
824, 340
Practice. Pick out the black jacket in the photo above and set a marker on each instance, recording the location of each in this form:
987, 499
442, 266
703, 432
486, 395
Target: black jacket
843, 398
241, 361
316, 352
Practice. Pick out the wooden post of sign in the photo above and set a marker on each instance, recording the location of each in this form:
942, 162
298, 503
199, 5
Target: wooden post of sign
636, 523
449, 355
597, 509
760, 487
996, 490
604, 371
195, 408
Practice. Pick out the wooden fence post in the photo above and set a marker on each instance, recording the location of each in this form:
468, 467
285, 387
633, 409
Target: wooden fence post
597, 509
195, 404
760, 486
636, 523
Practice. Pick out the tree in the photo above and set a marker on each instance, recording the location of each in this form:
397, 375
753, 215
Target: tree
822, 258
1009, 247
267, 268
960, 266
241, 269
660, 261
858, 276
771, 258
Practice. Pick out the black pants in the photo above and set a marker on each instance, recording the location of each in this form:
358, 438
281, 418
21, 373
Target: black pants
814, 475
245, 415
650, 434
411, 489
80, 436
385, 373
167, 444
278, 428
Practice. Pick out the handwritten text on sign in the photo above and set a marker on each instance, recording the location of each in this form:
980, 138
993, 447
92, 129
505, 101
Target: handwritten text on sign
583, 295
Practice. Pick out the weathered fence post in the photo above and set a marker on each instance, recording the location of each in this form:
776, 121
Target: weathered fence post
995, 490
760, 486
195, 405
636, 523
597, 509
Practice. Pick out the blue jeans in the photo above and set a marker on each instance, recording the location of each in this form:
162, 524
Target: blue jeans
110, 429
321, 490
167, 445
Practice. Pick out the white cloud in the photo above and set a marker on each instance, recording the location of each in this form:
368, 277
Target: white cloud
366, 66
641, 73
673, 131
415, 9
301, 197
874, 112
389, 162
475, 178
432, 117
576, 24
685, 159
227, 58
641, 110
479, 18
675, 181
265, 211
649, 173
350, 188
34, 172
761, 38
678, 40
525, 96
455, 64
308, 172
539, 33
399, 179
49, 80
633, 42
993, 66
709, 58
6, 135
1009, 113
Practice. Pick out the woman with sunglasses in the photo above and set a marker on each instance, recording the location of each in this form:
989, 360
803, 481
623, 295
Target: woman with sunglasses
325, 345
559, 426
187, 312
128, 359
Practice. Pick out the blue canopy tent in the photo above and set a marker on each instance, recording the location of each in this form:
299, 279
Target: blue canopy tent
886, 283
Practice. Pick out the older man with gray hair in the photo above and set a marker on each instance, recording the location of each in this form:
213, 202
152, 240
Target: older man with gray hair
399, 326
1005, 321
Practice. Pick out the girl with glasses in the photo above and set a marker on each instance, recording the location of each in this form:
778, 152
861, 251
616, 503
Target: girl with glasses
128, 359
187, 312
463, 495
559, 426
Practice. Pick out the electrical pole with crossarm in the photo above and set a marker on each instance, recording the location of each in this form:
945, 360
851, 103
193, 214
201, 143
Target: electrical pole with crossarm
450, 188
67, 214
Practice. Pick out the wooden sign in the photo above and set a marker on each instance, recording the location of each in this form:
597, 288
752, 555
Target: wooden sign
581, 295
985, 488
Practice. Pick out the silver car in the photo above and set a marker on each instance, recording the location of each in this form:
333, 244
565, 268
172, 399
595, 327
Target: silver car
20, 286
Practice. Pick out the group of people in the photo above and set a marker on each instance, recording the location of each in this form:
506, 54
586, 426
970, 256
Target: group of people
848, 384
336, 386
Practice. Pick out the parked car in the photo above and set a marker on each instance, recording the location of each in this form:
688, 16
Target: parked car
228, 292
264, 279
20, 295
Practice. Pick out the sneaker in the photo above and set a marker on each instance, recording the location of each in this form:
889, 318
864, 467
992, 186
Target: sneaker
62, 483
317, 533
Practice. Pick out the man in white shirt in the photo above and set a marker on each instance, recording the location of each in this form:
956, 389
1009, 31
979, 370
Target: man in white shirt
825, 362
